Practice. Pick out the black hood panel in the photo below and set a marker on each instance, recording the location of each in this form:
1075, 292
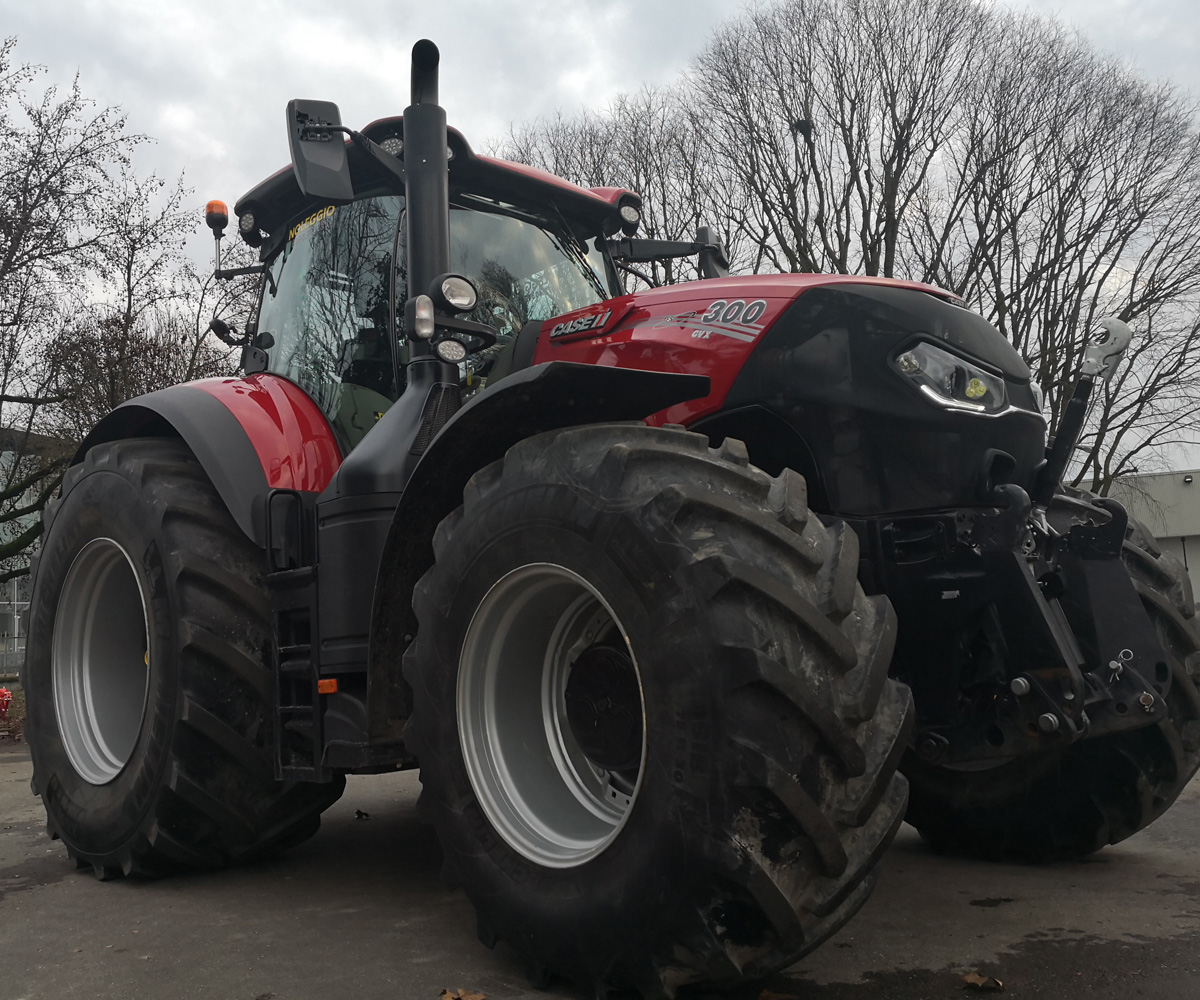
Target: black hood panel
873, 444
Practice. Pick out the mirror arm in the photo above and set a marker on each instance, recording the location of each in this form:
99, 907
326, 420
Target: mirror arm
382, 158
630, 269
390, 164
236, 272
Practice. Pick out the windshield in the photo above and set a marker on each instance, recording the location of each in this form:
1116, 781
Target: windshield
326, 316
523, 267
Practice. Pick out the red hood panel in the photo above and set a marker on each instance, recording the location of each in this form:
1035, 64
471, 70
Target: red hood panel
695, 328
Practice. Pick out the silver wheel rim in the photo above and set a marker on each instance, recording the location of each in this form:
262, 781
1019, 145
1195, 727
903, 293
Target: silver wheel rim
545, 797
100, 661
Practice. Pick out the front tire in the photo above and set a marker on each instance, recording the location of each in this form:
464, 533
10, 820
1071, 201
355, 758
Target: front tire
150, 702
656, 734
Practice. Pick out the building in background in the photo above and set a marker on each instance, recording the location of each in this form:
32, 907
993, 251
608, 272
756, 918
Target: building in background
14, 602
22, 453
1168, 503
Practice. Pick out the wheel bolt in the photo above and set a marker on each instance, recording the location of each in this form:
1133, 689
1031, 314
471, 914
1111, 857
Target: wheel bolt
1019, 686
1048, 722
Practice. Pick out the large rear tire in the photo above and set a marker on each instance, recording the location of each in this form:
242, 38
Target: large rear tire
150, 701
1075, 801
656, 734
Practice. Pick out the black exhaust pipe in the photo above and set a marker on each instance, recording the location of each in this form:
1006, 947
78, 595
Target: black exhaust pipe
427, 177
432, 383
425, 59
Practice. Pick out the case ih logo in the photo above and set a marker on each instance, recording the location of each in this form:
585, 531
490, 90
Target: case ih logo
738, 319
581, 323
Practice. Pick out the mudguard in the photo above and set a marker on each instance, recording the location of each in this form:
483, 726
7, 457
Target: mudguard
250, 435
527, 402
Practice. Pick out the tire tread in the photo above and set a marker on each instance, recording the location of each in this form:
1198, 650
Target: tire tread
774, 576
217, 800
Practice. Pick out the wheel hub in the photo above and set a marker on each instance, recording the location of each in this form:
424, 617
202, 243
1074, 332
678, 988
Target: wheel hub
604, 708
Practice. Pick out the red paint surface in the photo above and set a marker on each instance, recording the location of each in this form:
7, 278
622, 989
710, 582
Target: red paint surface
651, 330
290, 434
613, 195
608, 196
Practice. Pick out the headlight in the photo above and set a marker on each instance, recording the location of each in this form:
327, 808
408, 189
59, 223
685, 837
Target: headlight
451, 350
453, 293
458, 292
949, 381
631, 217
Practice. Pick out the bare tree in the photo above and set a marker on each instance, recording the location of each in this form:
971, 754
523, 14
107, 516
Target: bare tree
146, 326
831, 115
98, 299
651, 142
58, 156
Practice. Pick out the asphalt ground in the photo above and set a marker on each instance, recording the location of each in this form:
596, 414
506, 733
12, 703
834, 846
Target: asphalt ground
358, 912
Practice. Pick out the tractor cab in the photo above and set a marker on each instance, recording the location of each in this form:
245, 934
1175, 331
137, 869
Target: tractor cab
331, 314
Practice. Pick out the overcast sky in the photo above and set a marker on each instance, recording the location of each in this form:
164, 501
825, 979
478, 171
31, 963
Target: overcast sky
208, 79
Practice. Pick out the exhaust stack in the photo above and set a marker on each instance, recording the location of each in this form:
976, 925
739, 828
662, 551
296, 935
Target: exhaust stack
427, 179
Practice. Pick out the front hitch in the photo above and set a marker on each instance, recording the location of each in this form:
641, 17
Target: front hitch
1071, 651
1130, 676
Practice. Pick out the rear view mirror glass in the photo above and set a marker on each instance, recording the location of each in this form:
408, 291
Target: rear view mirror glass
318, 147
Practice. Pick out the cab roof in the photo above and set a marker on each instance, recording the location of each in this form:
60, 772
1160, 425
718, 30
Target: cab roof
278, 199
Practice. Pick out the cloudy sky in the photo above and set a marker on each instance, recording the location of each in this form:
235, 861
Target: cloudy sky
208, 79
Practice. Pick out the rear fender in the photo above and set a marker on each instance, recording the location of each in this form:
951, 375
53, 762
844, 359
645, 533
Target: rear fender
527, 402
250, 435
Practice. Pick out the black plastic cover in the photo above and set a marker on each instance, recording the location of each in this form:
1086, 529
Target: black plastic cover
877, 445
213, 434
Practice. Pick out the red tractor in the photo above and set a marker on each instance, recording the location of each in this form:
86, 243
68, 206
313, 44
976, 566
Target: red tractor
673, 596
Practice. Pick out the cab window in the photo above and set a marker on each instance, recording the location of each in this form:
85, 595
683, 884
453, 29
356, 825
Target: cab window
328, 308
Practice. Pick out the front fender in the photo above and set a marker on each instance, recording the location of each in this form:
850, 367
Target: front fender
542, 398
249, 434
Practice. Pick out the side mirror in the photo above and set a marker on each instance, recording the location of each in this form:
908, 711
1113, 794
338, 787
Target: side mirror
315, 137
226, 333
713, 261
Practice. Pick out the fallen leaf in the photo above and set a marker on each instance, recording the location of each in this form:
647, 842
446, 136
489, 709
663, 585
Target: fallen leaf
359, 814
974, 981
462, 995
